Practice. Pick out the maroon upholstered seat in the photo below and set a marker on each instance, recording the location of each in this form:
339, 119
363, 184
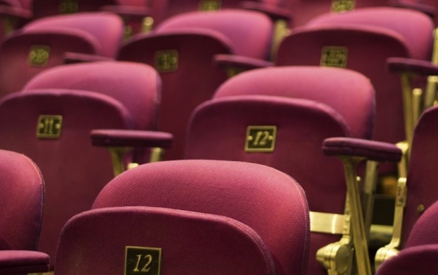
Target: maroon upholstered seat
52, 126
21, 209
363, 40
419, 255
43, 8
107, 28
263, 202
21, 202
23, 55
279, 117
178, 58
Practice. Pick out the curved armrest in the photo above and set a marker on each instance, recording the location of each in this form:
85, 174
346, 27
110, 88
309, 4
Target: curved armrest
131, 138
15, 12
274, 12
23, 261
372, 150
427, 9
407, 65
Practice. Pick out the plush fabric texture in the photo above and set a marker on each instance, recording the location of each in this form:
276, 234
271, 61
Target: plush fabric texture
364, 57
415, 27
424, 231
23, 262
268, 201
190, 242
21, 202
181, 91
74, 170
15, 69
349, 93
163, 10
422, 173
371, 150
218, 130
43, 8
136, 86
250, 32
417, 260
106, 27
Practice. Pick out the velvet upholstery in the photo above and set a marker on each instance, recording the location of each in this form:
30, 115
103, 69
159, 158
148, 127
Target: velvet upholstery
305, 113
190, 242
21, 202
107, 28
269, 202
181, 92
43, 8
74, 170
249, 32
15, 69
136, 86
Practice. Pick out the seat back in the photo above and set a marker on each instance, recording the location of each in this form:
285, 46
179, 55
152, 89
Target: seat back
23, 55
52, 128
421, 249
178, 58
21, 202
42, 8
249, 32
169, 8
264, 199
345, 47
280, 117
136, 86
105, 27
158, 239
421, 174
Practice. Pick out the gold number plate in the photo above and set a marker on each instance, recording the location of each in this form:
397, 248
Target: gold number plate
334, 57
343, 5
39, 55
68, 6
49, 126
210, 5
142, 260
260, 138
166, 61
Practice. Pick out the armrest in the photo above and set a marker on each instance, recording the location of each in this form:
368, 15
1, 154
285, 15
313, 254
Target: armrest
71, 58
407, 65
274, 12
372, 150
23, 261
427, 9
131, 138
234, 64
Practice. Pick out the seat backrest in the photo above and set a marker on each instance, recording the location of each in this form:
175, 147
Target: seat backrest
136, 86
42, 8
421, 174
249, 32
152, 239
169, 8
280, 117
346, 47
52, 128
21, 202
268, 201
23, 55
419, 255
178, 58
107, 28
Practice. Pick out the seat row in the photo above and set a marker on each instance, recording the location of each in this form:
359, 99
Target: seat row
249, 119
